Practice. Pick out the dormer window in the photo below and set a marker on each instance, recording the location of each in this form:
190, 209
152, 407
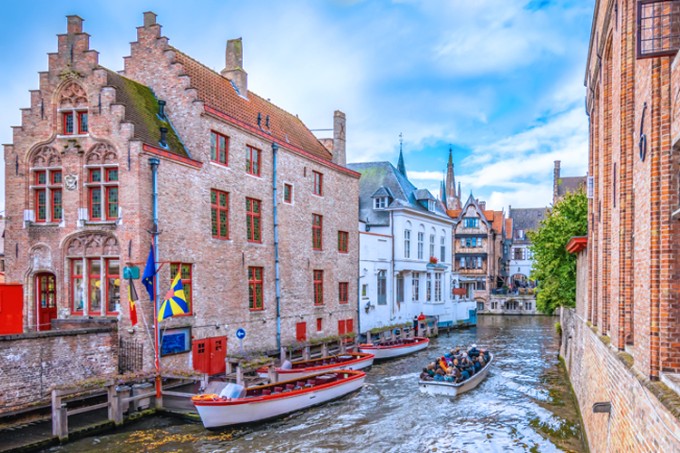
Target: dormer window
380, 203
471, 222
74, 122
430, 205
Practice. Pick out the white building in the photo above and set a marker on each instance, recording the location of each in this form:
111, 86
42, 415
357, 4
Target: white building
405, 251
521, 257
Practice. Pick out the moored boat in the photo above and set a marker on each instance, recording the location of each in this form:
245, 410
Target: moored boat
263, 402
455, 388
301, 368
395, 348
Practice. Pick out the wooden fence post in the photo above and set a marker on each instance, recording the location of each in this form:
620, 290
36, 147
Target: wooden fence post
59, 417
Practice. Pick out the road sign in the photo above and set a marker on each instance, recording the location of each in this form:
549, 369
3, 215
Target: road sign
240, 333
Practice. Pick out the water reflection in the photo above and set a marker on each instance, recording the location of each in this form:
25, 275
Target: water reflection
523, 405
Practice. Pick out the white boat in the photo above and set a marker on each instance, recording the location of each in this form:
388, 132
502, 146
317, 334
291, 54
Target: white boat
453, 389
302, 368
272, 400
395, 348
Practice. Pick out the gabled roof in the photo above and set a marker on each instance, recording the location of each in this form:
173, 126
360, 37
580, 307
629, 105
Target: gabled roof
527, 219
382, 192
141, 109
376, 176
423, 194
508, 228
570, 184
219, 93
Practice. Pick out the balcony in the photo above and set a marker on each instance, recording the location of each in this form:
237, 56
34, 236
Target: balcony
658, 28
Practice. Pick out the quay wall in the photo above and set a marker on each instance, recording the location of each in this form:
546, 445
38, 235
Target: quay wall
32, 363
645, 415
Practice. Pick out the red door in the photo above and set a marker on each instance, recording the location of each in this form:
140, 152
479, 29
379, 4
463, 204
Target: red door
11, 308
46, 300
349, 326
341, 327
209, 355
301, 331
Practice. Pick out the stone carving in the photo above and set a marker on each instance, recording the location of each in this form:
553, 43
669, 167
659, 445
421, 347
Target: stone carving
73, 96
93, 244
41, 257
71, 182
46, 156
101, 153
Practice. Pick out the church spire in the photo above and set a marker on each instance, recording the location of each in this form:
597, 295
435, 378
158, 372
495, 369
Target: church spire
442, 193
453, 200
400, 165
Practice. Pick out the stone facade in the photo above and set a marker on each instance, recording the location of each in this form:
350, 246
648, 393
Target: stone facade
33, 363
124, 133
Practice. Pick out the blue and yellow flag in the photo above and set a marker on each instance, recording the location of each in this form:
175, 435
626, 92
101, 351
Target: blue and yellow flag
175, 302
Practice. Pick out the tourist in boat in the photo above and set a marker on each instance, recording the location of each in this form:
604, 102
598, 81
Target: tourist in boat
425, 375
473, 352
477, 365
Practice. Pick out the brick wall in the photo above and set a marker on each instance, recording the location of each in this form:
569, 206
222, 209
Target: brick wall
31, 363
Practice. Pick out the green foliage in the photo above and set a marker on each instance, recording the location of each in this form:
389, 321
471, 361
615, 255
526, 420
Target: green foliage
554, 267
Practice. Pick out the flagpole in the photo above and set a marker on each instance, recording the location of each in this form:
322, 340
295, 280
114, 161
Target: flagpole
154, 162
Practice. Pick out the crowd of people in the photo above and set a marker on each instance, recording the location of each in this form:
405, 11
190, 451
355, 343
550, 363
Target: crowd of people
456, 365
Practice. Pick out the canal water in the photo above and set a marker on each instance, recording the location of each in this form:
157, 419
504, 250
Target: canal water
524, 405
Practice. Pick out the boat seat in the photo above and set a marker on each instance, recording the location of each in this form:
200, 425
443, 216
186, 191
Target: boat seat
278, 389
290, 386
266, 392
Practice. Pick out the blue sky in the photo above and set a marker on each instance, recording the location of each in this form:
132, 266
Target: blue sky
498, 81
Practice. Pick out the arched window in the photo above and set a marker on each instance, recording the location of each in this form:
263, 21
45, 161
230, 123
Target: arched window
46, 185
101, 182
73, 110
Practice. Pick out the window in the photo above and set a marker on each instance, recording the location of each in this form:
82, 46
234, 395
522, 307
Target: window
657, 28
442, 249
318, 287
421, 240
364, 290
471, 242
102, 189
520, 234
343, 292
517, 253
415, 286
48, 195
219, 148
481, 285
318, 183
74, 122
343, 241
319, 324
400, 288
382, 287
317, 225
287, 193
77, 286
380, 203
437, 287
432, 245
186, 279
407, 243
253, 220
112, 294
428, 287
471, 222
219, 209
430, 205
253, 160
255, 297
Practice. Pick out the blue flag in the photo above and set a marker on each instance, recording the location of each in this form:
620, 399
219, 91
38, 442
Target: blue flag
149, 272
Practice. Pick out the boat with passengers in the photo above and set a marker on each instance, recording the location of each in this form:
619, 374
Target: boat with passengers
451, 374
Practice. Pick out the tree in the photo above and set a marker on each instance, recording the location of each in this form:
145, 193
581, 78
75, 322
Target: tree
555, 268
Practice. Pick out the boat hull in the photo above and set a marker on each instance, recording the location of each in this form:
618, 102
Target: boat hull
453, 389
358, 364
217, 414
389, 352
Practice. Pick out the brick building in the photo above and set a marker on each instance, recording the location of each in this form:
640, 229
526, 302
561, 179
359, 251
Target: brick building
254, 211
631, 357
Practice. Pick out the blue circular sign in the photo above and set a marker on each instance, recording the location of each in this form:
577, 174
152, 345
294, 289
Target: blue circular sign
240, 333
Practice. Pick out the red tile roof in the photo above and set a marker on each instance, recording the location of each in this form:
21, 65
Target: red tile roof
508, 228
218, 92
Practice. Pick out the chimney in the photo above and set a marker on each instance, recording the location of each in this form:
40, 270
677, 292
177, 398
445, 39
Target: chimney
149, 19
233, 69
74, 25
339, 154
161, 109
482, 205
556, 179
163, 142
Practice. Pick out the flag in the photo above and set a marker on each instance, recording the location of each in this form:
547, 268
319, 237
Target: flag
175, 302
132, 298
149, 272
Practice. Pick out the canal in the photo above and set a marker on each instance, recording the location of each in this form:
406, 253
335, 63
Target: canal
525, 404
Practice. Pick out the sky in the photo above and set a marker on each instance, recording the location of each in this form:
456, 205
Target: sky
499, 82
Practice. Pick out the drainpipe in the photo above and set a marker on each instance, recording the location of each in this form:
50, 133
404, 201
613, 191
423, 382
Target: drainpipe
277, 274
391, 271
154, 162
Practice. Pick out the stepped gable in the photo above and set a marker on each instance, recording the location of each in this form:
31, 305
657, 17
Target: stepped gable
141, 109
218, 93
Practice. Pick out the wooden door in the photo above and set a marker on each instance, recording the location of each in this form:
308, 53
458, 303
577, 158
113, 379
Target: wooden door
301, 331
200, 355
208, 355
342, 327
46, 300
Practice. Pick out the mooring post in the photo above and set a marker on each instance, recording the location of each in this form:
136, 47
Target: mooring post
324, 349
59, 417
305, 353
112, 399
239, 374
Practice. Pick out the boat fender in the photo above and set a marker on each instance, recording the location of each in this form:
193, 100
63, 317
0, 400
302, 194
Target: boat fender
206, 397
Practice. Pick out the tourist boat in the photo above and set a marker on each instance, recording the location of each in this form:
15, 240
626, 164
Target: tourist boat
302, 368
453, 389
395, 348
263, 402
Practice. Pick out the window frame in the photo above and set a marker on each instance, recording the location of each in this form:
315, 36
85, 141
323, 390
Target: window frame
287, 193
317, 232
187, 283
470, 222
343, 293
253, 220
45, 191
317, 276
253, 161
415, 286
215, 210
317, 188
407, 243
255, 283
343, 241
421, 245
77, 119
105, 185
381, 292
218, 154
